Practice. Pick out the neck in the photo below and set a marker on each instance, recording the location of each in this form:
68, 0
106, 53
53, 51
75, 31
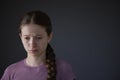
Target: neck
35, 61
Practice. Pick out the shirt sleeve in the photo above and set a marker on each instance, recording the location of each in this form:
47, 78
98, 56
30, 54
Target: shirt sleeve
65, 71
68, 73
6, 75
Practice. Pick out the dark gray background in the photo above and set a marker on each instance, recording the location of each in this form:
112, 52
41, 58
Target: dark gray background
86, 34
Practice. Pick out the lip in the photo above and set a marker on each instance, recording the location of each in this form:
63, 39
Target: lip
33, 50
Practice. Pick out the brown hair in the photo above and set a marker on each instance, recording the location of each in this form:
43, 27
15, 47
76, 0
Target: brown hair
40, 18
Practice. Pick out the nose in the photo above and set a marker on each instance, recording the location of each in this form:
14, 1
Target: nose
32, 43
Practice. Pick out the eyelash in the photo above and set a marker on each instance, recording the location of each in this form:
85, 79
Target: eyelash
38, 37
27, 38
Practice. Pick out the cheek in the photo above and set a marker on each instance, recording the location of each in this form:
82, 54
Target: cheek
24, 43
43, 44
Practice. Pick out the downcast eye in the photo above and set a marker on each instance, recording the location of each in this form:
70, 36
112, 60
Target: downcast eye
39, 37
27, 38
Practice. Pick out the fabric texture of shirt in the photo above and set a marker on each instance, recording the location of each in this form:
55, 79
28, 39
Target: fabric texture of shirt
21, 71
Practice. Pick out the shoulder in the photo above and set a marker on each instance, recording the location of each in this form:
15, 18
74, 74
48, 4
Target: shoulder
10, 70
62, 64
64, 70
14, 66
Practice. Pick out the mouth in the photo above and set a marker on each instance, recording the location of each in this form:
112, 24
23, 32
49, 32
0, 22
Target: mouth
33, 51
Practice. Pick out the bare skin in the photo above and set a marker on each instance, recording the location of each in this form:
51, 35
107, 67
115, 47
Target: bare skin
35, 40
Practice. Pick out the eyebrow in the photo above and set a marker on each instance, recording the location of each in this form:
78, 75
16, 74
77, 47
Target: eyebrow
35, 35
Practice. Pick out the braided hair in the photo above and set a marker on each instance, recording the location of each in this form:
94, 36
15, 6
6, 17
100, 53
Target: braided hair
50, 63
40, 18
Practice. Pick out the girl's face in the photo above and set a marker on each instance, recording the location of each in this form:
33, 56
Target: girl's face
35, 39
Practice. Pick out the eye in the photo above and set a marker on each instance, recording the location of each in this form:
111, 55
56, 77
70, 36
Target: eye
27, 38
38, 37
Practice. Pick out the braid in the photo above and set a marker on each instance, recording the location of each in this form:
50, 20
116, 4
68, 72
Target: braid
50, 63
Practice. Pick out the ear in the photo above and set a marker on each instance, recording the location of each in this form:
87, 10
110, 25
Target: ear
50, 37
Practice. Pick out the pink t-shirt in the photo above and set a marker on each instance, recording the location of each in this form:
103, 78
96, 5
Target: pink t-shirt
21, 71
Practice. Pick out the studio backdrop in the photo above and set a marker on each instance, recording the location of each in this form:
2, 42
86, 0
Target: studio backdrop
85, 34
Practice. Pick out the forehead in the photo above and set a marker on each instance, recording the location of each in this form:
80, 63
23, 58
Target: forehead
33, 29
